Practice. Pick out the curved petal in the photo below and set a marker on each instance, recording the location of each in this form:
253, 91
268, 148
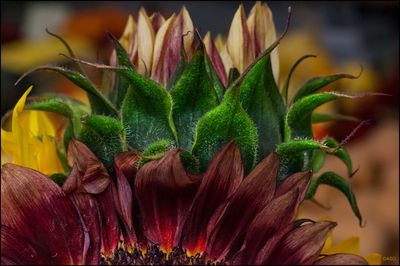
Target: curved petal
157, 20
126, 162
299, 180
168, 45
219, 183
302, 245
90, 213
268, 227
253, 194
110, 230
39, 210
341, 259
238, 43
145, 40
164, 192
216, 60
17, 250
93, 176
262, 33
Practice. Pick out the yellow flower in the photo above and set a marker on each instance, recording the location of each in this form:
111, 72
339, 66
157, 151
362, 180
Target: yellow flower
350, 245
31, 141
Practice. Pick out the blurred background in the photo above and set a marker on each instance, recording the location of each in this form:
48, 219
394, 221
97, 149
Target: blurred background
344, 35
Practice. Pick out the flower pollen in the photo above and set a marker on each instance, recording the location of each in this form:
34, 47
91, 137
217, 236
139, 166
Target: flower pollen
154, 255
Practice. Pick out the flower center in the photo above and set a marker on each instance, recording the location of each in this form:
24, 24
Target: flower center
155, 256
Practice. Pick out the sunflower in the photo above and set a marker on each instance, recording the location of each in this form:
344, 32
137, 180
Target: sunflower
159, 214
178, 160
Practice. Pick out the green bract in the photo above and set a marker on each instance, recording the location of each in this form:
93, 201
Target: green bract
199, 116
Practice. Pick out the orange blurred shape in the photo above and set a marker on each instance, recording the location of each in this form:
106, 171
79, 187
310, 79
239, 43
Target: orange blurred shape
94, 23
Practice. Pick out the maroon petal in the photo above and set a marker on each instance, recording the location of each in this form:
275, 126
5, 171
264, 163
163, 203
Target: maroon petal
39, 210
126, 162
93, 175
215, 58
168, 45
341, 259
268, 227
90, 213
302, 245
253, 194
298, 180
164, 192
17, 250
220, 182
110, 231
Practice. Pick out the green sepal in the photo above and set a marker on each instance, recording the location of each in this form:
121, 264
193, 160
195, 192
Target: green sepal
182, 65
294, 156
58, 178
341, 153
146, 111
261, 99
234, 74
228, 121
105, 137
193, 95
317, 160
62, 105
154, 151
120, 86
321, 118
190, 162
317, 83
334, 180
98, 102
69, 134
212, 74
63, 160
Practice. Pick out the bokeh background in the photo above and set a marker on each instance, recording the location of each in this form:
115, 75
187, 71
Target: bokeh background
344, 35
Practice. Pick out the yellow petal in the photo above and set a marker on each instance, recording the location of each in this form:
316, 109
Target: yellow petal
145, 35
17, 129
350, 245
127, 37
374, 259
31, 141
219, 42
158, 71
184, 21
262, 33
238, 43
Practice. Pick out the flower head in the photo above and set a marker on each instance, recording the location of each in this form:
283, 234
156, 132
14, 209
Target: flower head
221, 216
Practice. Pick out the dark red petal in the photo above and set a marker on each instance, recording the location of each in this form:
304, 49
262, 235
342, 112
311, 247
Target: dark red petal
216, 60
164, 192
110, 231
219, 183
301, 245
341, 259
253, 194
73, 182
125, 199
126, 162
89, 209
17, 250
93, 175
39, 210
298, 180
268, 227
